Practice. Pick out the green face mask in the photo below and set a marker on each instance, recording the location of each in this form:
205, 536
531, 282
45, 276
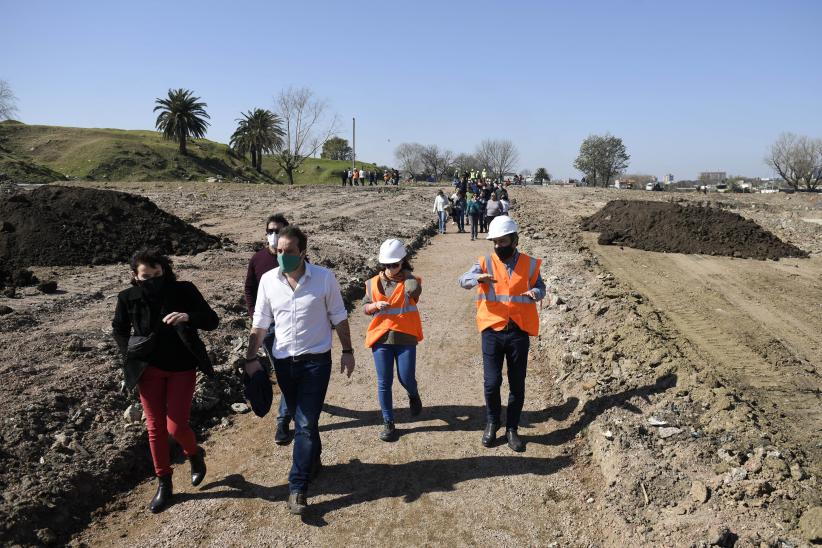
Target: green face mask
288, 263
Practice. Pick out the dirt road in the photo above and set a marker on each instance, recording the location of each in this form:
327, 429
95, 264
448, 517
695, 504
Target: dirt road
756, 322
436, 485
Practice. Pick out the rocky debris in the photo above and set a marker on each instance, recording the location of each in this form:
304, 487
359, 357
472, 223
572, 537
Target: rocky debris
239, 408
675, 228
133, 413
96, 227
699, 492
810, 524
47, 287
4, 309
76, 344
722, 536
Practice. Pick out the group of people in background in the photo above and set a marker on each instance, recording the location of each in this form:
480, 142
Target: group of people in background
371, 177
475, 202
295, 307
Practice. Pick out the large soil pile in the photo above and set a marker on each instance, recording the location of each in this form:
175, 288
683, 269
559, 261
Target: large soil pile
673, 228
57, 225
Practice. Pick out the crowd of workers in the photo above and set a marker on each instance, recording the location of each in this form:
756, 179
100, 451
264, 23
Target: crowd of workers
295, 306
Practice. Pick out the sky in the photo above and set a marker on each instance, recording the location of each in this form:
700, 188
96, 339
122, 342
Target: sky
689, 86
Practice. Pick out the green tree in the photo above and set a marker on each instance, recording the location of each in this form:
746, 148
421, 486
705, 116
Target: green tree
337, 148
542, 175
182, 116
601, 158
258, 131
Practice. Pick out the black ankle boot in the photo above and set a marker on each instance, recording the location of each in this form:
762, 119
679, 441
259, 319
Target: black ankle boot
163, 495
490, 434
198, 466
388, 432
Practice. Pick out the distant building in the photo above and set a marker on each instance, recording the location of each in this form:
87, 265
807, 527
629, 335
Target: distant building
713, 176
668, 179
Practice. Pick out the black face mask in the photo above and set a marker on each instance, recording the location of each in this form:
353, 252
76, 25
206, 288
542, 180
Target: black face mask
505, 252
153, 287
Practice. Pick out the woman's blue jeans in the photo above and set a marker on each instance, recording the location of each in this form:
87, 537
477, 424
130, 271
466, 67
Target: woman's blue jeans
443, 218
385, 356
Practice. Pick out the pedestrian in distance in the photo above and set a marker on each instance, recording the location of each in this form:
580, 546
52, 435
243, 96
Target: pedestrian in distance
474, 210
509, 284
492, 209
261, 262
155, 327
356, 177
395, 330
441, 208
458, 201
343, 177
304, 303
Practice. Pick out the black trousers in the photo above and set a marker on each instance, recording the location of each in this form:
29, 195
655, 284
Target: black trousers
512, 347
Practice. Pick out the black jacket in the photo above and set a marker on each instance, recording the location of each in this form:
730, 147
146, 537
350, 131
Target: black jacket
133, 312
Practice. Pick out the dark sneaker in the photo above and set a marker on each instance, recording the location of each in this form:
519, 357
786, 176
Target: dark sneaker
297, 503
283, 435
514, 441
490, 434
415, 403
388, 433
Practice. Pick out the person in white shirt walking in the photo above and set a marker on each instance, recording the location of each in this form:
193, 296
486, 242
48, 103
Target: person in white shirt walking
304, 302
441, 207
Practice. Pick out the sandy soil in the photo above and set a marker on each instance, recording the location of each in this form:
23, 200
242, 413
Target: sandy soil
651, 417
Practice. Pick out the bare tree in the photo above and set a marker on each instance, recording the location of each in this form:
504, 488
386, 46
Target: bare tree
8, 102
500, 155
436, 161
797, 159
409, 157
308, 125
466, 162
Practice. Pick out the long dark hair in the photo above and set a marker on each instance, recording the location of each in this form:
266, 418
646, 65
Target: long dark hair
152, 257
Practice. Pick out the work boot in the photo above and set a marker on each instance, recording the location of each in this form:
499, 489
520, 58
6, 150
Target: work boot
163, 495
416, 405
297, 503
388, 433
490, 434
514, 441
283, 434
198, 466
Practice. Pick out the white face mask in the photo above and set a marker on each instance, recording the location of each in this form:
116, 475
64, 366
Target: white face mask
272, 239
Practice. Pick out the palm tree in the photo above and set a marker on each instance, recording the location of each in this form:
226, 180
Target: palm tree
181, 116
258, 131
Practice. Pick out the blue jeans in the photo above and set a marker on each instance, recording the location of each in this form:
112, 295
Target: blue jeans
474, 224
511, 346
282, 415
460, 219
304, 385
442, 216
385, 356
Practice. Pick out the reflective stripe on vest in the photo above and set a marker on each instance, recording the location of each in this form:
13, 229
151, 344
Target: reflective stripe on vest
404, 318
503, 301
492, 293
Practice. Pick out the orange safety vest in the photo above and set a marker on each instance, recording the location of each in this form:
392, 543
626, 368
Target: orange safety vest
400, 315
503, 301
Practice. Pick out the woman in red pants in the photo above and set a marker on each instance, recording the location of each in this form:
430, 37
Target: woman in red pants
155, 325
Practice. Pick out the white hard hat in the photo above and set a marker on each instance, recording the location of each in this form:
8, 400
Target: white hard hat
500, 226
392, 251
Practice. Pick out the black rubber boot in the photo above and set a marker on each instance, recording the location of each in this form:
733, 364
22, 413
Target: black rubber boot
163, 496
514, 441
416, 405
198, 467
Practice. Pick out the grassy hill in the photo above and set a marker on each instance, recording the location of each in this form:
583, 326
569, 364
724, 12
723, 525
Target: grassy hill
31, 153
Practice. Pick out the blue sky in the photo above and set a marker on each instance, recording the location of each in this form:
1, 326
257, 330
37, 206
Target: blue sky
688, 85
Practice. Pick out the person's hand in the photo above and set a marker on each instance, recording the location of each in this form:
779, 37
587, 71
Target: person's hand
530, 293
485, 278
176, 318
347, 364
379, 306
252, 366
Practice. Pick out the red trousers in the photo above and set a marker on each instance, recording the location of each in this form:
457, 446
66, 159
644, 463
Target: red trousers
166, 398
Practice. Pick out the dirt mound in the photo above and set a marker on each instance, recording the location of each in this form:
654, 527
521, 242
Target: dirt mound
62, 226
675, 228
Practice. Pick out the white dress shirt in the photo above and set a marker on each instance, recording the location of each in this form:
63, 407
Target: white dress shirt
302, 317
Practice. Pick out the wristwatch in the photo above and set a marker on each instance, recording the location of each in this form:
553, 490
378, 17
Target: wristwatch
347, 350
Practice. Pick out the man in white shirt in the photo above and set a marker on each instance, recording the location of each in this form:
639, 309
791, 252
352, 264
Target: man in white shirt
304, 302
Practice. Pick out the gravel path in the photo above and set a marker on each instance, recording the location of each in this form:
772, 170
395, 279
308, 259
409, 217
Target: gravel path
435, 485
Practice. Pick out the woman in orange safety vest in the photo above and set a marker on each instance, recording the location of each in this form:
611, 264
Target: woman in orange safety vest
395, 329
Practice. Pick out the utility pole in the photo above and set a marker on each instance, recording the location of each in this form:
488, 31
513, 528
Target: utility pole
353, 143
